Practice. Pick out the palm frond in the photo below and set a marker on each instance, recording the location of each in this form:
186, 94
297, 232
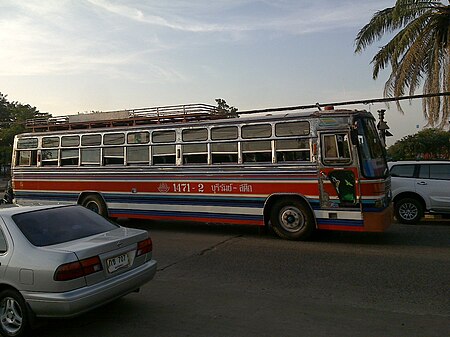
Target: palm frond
374, 30
398, 45
418, 54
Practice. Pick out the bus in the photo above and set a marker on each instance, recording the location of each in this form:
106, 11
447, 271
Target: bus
291, 170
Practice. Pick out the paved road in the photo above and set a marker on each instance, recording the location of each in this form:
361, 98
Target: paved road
234, 281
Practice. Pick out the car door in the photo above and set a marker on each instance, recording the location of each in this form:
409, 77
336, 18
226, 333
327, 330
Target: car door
434, 181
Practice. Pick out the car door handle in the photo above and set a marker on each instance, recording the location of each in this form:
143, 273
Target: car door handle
422, 183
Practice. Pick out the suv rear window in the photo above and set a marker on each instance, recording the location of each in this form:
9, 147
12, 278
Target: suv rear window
435, 171
440, 172
57, 225
406, 171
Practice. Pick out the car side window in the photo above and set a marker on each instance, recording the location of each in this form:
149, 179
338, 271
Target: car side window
3, 243
406, 171
441, 171
424, 171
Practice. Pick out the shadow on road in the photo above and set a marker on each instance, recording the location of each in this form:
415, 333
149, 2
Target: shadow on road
429, 233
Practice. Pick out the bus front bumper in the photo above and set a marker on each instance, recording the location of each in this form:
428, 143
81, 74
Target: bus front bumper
378, 221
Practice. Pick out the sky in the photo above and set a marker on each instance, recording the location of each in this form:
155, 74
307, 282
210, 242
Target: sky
70, 56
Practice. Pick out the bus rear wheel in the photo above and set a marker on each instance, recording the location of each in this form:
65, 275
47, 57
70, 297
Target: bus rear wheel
94, 203
292, 220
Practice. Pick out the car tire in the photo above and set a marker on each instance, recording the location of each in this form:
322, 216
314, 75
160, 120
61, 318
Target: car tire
95, 203
408, 211
292, 220
14, 316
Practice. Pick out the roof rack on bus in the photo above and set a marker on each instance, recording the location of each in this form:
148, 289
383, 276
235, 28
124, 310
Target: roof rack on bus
141, 116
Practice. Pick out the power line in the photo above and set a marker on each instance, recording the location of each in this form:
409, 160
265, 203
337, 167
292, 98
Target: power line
365, 101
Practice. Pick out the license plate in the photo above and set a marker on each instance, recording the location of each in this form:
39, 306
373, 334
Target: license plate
117, 262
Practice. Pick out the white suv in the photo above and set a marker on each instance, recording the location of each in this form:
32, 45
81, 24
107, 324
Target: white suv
419, 187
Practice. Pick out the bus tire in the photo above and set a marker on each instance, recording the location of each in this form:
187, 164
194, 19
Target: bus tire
95, 203
291, 219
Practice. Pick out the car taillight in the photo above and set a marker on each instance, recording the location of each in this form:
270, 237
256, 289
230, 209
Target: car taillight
73, 270
144, 247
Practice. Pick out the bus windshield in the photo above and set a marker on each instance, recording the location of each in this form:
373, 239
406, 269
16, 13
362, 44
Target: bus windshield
371, 151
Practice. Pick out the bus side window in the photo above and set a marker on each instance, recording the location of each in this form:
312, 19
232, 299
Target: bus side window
49, 157
223, 153
113, 156
90, 156
336, 149
27, 158
195, 154
293, 150
163, 155
70, 157
138, 155
257, 151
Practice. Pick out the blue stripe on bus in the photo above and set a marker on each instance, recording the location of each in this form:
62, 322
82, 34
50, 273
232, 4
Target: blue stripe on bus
340, 222
159, 199
47, 196
187, 200
171, 200
186, 214
156, 200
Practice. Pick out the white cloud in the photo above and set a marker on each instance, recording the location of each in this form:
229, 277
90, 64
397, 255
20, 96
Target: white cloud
139, 16
205, 16
57, 38
158, 47
66, 37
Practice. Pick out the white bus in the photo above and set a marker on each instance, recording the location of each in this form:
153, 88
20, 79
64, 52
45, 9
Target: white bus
293, 171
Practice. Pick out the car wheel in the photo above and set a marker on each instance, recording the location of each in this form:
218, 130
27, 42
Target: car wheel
408, 210
14, 319
95, 203
292, 220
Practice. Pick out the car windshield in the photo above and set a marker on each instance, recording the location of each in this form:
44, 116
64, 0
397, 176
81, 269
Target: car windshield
371, 151
57, 225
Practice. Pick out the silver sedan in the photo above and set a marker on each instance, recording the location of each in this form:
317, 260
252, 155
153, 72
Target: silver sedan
61, 261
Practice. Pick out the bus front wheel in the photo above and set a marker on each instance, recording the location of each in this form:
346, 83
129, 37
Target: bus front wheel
292, 220
94, 203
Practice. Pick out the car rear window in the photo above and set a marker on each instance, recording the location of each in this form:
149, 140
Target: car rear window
440, 172
57, 225
406, 171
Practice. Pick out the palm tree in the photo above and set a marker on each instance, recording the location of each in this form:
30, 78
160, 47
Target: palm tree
418, 53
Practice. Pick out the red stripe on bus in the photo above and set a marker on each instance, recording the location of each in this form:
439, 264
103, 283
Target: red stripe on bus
260, 188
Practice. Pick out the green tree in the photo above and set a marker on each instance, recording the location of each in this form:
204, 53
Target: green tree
13, 116
426, 144
418, 53
223, 109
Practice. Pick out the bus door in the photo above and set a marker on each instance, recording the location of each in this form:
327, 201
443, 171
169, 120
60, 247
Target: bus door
338, 172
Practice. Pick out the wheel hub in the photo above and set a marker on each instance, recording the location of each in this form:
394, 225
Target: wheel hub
10, 317
291, 219
408, 211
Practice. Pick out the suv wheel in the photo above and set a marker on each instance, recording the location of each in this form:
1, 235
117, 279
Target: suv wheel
408, 210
